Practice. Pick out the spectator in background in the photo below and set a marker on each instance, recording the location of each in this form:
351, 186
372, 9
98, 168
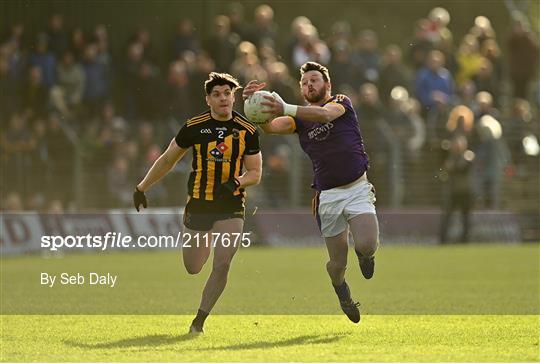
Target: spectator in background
96, 85
135, 54
221, 46
204, 65
491, 51
446, 46
460, 122
482, 30
420, 45
434, 84
44, 60
35, 96
281, 81
492, 156
12, 202
77, 43
39, 183
185, 39
344, 72
277, 159
366, 56
466, 94
66, 96
17, 146
297, 28
119, 182
9, 98
14, 50
264, 28
484, 105
469, 59
104, 56
458, 194
246, 66
411, 108
149, 91
110, 120
438, 18
60, 162
149, 151
340, 32
309, 47
523, 56
522, 131
178, 104
267, 54
235, 12
399, 120
393, 73
372, 122
486, 80
16, 35
144, 38
58, 37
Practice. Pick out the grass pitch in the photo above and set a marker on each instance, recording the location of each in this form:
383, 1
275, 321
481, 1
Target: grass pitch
458, 303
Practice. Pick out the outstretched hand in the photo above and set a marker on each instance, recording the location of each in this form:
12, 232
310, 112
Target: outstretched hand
273, 106
252, 87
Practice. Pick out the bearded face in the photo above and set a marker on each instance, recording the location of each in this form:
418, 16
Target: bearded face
314, 96
314, 88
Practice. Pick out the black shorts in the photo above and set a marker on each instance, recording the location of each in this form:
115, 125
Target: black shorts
200, 215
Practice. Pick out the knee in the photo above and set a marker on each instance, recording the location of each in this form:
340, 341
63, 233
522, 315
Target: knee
221, 268
368, 247
193, 268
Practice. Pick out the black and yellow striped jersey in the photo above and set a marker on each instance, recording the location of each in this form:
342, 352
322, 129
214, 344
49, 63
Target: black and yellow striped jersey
218, 148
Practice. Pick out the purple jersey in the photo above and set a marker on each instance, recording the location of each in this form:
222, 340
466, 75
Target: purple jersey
336, 148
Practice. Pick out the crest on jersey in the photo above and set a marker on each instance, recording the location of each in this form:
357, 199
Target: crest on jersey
235, 133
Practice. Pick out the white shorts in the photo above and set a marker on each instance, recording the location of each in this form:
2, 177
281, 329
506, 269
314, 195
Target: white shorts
335, 207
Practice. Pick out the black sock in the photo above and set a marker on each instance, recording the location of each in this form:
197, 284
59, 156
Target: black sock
199, 319
342, 291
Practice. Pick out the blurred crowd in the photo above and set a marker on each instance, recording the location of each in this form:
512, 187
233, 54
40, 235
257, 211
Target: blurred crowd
81, 121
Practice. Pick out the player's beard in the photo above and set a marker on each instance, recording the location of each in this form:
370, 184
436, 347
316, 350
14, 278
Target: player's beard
316, 97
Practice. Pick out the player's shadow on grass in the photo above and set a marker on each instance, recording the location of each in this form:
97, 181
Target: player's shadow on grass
140, 341
300, 340
158, 340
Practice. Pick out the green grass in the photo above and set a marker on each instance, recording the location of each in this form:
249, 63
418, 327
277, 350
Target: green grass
271, 338
455, 303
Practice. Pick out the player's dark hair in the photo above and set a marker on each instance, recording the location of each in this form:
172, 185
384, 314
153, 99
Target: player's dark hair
220, 79
314, 66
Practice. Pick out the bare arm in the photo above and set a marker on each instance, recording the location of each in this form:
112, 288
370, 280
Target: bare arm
280, 125
252, 175
276, 107
162, 165
319, 114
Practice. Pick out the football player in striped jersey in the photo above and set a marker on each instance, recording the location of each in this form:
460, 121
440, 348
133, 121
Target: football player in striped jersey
226, 160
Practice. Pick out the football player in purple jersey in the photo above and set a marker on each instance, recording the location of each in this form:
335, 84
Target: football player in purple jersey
329, 133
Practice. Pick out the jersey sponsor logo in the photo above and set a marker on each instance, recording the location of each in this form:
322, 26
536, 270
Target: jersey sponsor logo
222, 147
217, 153
221, 128
321, 132
206, 131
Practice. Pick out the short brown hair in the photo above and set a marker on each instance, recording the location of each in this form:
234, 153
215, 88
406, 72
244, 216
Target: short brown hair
220, 79
314, 66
